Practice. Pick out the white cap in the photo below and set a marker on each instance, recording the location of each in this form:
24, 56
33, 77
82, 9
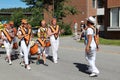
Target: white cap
91, 19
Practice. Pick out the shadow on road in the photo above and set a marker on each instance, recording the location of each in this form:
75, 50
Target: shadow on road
2, 52
82, 67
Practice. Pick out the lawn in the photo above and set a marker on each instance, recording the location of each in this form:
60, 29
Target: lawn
109, 42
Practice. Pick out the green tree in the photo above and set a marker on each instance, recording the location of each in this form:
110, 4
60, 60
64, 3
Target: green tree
37, 16
17, 16
60, 10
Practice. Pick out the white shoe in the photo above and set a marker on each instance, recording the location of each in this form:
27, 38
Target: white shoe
10, 63
6, 60
55, 61
28, 67
22, 64
93, 75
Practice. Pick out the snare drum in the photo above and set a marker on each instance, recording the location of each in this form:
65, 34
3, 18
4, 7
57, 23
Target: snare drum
47, 43
34, 49
15, 45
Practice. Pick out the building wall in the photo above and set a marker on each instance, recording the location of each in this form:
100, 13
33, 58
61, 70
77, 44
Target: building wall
85, 10
80, 5
113, 3
108, 5
92, 11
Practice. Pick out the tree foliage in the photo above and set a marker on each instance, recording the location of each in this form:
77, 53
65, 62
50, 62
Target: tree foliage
17, 16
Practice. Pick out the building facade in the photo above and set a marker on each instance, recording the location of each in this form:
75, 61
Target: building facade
112, 19
85, 8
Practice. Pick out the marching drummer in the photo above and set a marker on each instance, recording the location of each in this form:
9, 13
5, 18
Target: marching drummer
42, 36
24, 34
53, 32
7, 36
15, 45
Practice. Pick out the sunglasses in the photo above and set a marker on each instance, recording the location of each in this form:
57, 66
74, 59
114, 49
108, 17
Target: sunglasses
24, 23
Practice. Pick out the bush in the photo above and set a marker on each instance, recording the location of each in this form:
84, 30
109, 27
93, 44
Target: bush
66, 29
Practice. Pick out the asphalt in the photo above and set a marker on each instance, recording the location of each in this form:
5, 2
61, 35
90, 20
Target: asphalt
71, 64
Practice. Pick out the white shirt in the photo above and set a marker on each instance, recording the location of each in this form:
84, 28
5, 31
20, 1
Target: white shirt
75, 25
91, 32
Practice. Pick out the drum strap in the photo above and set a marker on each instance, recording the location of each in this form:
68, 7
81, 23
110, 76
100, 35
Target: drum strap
55, 29
26, 38
41, 42
7, 35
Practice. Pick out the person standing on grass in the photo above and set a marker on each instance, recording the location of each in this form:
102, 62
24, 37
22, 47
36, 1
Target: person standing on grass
91, 47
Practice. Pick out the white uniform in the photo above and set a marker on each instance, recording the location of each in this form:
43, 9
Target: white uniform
75, 28
24, 48
91, 56
54, 46
8, 45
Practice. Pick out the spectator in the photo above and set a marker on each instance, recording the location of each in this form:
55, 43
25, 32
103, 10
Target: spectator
75, 29
91, 47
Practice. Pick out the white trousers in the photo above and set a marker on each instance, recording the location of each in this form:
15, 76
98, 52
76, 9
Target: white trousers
25, 49
8, 47
14, 41
47, 49
54, 46
91, 57
41, 50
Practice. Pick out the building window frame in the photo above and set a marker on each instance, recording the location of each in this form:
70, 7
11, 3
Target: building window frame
94, 3
114, 28
111, 18
119, 17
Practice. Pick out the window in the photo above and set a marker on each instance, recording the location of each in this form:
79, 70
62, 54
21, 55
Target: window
100, 3
114, 17
100, 19
94, 3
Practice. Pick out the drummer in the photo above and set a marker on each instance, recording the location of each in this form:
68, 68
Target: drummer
7, 36
42, 36
24, 34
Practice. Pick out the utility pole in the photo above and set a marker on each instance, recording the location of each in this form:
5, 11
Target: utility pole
53, 8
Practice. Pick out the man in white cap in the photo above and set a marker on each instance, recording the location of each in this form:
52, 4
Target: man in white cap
24, 34
91, 47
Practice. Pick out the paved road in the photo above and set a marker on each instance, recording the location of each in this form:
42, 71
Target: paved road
71, 64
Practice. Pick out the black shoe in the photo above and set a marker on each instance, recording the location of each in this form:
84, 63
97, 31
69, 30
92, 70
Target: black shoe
45, 64
38, 62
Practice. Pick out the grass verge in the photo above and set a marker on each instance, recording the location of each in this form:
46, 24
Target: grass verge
109, 42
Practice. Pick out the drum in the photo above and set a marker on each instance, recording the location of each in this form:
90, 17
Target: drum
47, 43
34, 49
15, 45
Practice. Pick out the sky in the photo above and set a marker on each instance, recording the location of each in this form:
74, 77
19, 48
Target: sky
11, 4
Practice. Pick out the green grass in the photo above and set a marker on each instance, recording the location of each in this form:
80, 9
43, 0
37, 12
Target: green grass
109, 42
